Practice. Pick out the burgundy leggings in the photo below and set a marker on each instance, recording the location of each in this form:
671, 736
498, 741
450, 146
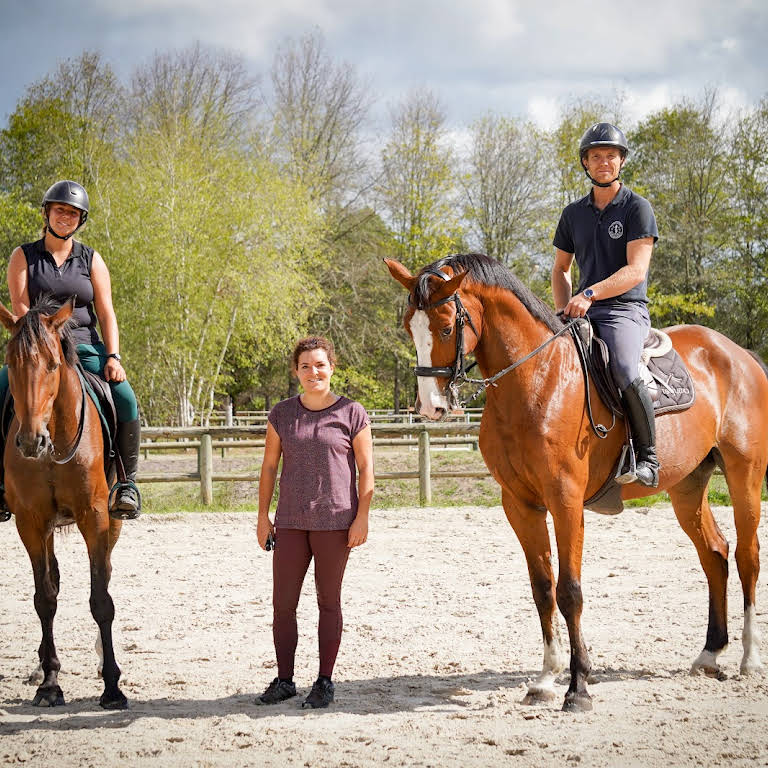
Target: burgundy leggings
293, 551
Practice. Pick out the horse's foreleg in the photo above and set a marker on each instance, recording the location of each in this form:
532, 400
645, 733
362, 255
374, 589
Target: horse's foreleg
96, 531
530, 526
46, 573
745, 497
569, 532
689, 499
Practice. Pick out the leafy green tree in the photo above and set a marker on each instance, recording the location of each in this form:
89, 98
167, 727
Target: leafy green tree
417, 185
508, 190
680, 162
741, 284
207, 235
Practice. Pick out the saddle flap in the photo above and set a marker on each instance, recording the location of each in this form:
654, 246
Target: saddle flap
101, 394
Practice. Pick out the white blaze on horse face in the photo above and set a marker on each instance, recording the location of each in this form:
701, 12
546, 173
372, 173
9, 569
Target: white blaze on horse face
429, 393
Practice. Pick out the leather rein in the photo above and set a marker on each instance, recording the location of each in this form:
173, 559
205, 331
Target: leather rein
457, 373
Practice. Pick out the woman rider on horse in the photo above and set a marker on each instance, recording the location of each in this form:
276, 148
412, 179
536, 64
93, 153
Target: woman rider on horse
61, 266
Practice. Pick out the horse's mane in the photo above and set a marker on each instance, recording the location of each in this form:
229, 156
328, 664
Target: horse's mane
486, 271
33, 334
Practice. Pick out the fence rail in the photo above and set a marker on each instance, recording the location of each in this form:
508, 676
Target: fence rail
203, 439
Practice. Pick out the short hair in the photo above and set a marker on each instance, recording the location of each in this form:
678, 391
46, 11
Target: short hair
310, 343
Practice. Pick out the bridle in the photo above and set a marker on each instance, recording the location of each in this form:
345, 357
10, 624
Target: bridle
80, 425
456, 373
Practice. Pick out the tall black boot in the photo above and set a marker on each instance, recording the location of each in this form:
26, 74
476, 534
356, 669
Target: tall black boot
639, 411
124, 498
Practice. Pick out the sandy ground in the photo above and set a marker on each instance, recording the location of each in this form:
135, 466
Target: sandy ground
440, 637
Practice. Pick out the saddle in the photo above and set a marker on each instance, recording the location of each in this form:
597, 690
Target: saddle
664, 373
661, 368
101, 394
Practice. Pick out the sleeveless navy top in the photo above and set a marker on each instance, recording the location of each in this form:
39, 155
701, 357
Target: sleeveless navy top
73, 278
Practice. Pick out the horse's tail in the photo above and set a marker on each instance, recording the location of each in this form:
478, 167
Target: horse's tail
761, 363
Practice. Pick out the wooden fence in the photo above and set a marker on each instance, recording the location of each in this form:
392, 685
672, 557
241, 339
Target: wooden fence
204, 439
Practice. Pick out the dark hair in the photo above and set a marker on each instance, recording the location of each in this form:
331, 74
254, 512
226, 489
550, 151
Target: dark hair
313, 342
32, 333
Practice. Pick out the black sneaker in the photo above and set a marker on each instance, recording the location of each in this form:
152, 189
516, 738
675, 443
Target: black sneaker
277, 691
321, 694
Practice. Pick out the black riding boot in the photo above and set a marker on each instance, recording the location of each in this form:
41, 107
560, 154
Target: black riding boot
639, 411
124, 498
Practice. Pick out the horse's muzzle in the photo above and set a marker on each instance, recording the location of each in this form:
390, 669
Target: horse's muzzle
33, 445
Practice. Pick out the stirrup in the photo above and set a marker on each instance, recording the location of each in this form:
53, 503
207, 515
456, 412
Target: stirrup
628, 475
119, 513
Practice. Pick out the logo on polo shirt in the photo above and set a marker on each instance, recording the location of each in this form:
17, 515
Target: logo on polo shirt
616, 230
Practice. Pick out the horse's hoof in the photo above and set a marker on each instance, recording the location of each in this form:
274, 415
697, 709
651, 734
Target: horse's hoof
714, 672
536, 696
749, 667
577, 702
50, 696
116, 701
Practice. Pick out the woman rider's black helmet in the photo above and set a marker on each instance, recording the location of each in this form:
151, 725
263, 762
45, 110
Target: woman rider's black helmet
602, 135
71, 193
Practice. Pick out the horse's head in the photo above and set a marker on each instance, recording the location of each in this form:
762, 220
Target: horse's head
438, 314
34, 357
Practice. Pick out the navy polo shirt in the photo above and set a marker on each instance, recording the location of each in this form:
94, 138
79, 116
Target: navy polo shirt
598, 239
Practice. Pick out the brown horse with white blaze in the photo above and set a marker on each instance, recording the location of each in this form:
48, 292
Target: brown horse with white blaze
54, 474
537, 441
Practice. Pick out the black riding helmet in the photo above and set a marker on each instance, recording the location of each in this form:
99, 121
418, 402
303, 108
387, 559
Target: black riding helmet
71, 193
602, 135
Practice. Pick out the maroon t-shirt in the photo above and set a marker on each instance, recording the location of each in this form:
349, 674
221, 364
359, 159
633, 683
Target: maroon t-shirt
318, 484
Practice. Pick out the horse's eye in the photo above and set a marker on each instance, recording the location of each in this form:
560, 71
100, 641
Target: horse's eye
52, 366
446, 332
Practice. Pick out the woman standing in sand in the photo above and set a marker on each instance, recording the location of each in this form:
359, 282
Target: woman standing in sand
322, 513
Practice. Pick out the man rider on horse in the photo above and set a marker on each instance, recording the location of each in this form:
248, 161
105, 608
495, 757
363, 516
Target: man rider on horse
610, 232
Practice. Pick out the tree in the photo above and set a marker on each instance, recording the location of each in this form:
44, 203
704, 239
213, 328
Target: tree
507, 190
680, 163
318, 109
741, 285
66, 126
417, 184
207, 235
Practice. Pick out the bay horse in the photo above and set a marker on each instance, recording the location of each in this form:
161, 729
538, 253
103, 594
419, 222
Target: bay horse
54, 475
537, 441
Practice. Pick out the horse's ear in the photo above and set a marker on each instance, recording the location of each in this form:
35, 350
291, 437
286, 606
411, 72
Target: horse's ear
400, 273
449, 287
8, 319
61, 317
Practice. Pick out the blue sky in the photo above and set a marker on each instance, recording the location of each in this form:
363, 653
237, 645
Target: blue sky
514, 57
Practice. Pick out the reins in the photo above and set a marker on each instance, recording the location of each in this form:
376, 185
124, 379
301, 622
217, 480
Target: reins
457, 373
80, 426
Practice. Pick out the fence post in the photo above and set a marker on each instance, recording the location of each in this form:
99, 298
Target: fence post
205, 462
425, 470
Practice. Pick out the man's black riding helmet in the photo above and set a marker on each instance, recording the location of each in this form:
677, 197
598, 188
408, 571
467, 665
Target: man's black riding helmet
603, 135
